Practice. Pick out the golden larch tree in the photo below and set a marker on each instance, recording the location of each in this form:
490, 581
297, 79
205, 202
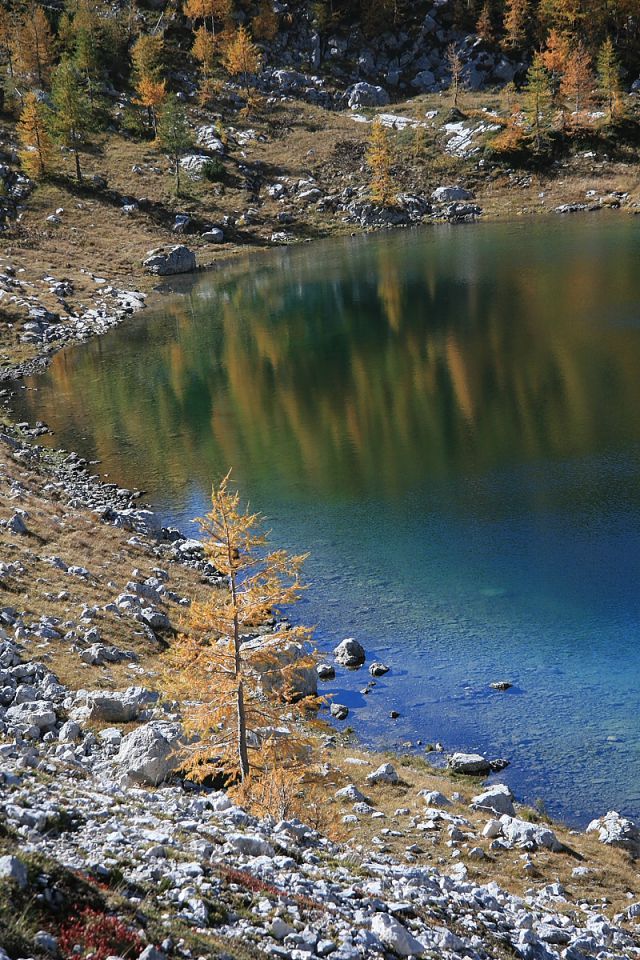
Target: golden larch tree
215, 11
147, 55
484, 26
37, 153
538, 101
151, 95
578, 81
33, 46
264, 26
235, 689
516, 21
242, 58
379, 161
203, 49
455, 65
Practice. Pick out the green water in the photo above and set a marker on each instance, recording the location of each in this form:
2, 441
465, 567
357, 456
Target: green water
449, 420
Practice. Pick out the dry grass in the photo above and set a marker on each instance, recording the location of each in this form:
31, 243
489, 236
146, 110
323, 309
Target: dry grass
79, 538
612, 875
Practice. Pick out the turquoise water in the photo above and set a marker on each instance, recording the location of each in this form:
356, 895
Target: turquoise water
449, 421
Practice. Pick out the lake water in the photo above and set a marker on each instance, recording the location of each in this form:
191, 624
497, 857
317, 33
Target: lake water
449, 421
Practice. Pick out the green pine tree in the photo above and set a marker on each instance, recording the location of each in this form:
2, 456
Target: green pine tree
73, 116
538, 100
609, 77
174, 135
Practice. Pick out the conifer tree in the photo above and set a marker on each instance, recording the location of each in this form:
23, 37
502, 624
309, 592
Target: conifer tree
211, 10
147, 55
234, 690
484, 26
454, 62
242, 58
33, 46
151, 94
379, 161
36, 155
7, 34
516, 21
87, 45
203, 49
538, 100
556, 54
609, 78
578, 82
264, 26
73, 117
174, 136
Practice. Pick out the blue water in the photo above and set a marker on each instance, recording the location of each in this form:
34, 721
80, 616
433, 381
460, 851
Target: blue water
449, 421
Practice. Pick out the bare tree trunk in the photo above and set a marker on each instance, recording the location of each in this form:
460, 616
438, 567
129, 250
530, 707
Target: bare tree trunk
243, 755
78, 171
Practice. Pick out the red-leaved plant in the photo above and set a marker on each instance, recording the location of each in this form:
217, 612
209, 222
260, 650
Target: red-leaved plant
100, 935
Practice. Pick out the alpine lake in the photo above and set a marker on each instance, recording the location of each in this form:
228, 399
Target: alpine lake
448, 420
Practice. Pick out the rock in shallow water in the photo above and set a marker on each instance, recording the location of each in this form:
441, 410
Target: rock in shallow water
350, 653
166, 261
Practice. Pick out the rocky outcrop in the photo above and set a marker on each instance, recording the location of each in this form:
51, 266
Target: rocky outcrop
617, 831
167, 261
497, 799
366, 95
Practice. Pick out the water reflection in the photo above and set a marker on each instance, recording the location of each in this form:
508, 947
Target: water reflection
370, 370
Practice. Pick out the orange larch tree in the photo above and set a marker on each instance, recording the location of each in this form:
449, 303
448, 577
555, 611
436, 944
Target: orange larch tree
235, 688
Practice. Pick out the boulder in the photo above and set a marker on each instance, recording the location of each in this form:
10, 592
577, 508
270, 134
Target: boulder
450, 194
349, 653
424, 82
497, 799
70, 732
521, 833
209, 138
325, 671
251, 846
386, 773
339, 710
113, 706
366, 95
14, 870
351, 793
167, 261
214, 235
470, 763
396, 936
286, 666
39, 714
433, 798
378, 669
617, 831
151, 753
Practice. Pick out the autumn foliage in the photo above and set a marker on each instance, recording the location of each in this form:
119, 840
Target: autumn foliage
236, 689
379, 162
98, 935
